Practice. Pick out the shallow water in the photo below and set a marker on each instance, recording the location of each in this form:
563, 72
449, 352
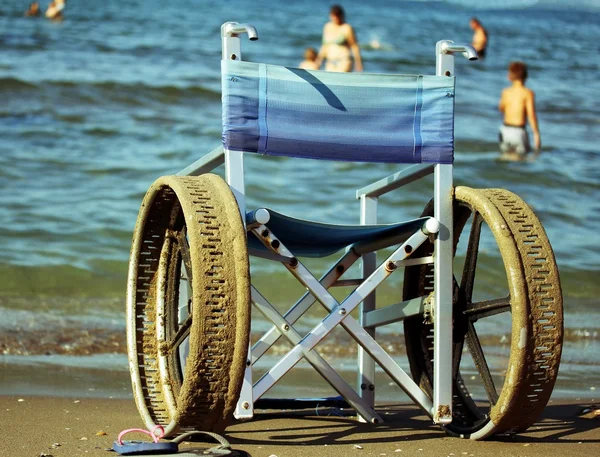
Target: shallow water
94, 108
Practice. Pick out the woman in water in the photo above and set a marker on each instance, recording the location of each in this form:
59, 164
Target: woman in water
55, 10
339, 44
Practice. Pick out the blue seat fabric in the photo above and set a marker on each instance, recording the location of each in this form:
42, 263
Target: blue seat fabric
315, 239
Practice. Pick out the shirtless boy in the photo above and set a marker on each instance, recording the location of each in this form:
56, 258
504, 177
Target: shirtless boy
518, 105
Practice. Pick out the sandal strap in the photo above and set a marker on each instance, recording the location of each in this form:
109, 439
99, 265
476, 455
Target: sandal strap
151, 433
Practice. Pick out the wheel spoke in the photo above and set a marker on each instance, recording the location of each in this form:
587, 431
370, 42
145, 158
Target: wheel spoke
181, 335
184, 248
456, 359
468, 277
487, 308
459, 330
481, 364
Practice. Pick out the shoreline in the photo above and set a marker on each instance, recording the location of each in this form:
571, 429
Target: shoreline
61, 427
106, 376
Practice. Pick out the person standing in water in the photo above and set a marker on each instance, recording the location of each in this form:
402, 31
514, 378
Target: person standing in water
518, 105
480, 37
34, 10
310, 60
339, 44
55, 9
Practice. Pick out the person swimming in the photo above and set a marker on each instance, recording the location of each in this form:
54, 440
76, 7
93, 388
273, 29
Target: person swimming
339, 44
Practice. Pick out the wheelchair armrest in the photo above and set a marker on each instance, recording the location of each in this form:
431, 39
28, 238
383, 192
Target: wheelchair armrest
205, 164
399, 179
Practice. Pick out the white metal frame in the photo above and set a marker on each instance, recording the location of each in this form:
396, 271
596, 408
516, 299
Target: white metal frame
362, 331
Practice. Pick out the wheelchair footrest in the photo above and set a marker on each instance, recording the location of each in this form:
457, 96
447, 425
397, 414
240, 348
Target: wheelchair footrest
301, 403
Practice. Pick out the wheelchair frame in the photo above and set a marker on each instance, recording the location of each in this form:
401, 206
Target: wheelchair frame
441, 407
438, 403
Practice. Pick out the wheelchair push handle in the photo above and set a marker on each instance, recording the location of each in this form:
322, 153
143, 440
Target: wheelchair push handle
230, 39
234, 29
445, 51
450, 47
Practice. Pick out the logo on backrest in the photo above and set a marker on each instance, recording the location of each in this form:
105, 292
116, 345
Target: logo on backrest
449, 95
233, 79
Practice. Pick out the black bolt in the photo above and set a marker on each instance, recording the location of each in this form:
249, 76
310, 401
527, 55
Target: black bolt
340, 268
371, 387
448, 73
363, 386
293, 262
275, 244
234, 57
265, 233
408, 248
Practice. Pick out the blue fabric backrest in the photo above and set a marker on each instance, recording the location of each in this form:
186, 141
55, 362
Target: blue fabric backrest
361, 117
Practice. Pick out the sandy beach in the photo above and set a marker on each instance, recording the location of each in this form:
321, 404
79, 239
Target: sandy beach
69, 427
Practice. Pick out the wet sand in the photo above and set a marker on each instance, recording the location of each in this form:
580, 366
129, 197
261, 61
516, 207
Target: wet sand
69, 427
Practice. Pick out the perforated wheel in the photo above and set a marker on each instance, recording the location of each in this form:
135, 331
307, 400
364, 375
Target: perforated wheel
508, 329
188, 304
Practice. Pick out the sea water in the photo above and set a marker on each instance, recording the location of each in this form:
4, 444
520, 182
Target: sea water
96, 107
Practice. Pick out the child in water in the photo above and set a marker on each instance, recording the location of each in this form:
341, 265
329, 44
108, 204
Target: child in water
310, 59
518, 105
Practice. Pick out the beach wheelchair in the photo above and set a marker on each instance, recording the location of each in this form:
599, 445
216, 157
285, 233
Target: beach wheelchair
190, 293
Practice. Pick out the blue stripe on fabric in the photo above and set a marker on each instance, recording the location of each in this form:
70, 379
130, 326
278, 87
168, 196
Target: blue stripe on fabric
333, 151
417, 121
240, 109
263, 131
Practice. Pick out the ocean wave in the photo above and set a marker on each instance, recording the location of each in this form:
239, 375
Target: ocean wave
102, 131
67, 287
8, 84
72, 336
522, 4
164, 92
135, 93
64, 288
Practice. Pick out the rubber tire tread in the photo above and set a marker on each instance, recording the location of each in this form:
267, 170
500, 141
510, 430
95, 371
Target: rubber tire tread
219, 335
545, 309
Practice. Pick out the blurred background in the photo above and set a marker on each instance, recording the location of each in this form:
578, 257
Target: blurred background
94, 108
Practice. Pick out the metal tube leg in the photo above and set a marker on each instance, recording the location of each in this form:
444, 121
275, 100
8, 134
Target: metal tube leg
366, 364
245, 405
443, 285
